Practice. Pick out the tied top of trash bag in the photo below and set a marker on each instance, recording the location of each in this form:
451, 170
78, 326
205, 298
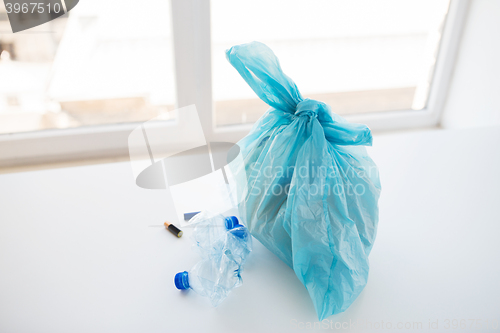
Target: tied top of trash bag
260, 68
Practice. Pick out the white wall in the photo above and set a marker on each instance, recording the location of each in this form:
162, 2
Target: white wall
474, 95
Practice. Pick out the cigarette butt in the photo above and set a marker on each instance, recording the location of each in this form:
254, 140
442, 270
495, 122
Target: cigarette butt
173, 229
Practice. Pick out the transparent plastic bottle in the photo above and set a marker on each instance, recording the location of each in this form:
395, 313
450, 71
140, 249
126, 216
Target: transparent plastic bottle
216, 234
224, 245
206, 279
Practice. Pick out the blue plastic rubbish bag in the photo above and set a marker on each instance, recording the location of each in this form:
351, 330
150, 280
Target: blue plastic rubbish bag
311, 189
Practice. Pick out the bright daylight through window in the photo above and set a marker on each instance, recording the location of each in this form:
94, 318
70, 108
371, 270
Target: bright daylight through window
357, 56
100, 66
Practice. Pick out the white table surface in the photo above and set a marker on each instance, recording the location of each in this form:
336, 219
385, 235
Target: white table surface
77, 255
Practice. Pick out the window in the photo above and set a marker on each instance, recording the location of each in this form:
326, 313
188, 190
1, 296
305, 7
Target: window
109, 65
358, 56
102, 64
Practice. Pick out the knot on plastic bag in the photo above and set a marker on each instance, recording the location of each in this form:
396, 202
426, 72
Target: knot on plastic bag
337, 130
310, 107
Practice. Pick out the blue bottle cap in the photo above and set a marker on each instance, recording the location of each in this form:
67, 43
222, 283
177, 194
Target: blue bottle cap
181, 280
232, 222
235, 227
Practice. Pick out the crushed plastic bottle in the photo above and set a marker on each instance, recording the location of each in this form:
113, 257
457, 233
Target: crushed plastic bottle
214, 234
206, 279
224, 245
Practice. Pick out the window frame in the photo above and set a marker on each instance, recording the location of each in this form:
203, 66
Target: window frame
193, 78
